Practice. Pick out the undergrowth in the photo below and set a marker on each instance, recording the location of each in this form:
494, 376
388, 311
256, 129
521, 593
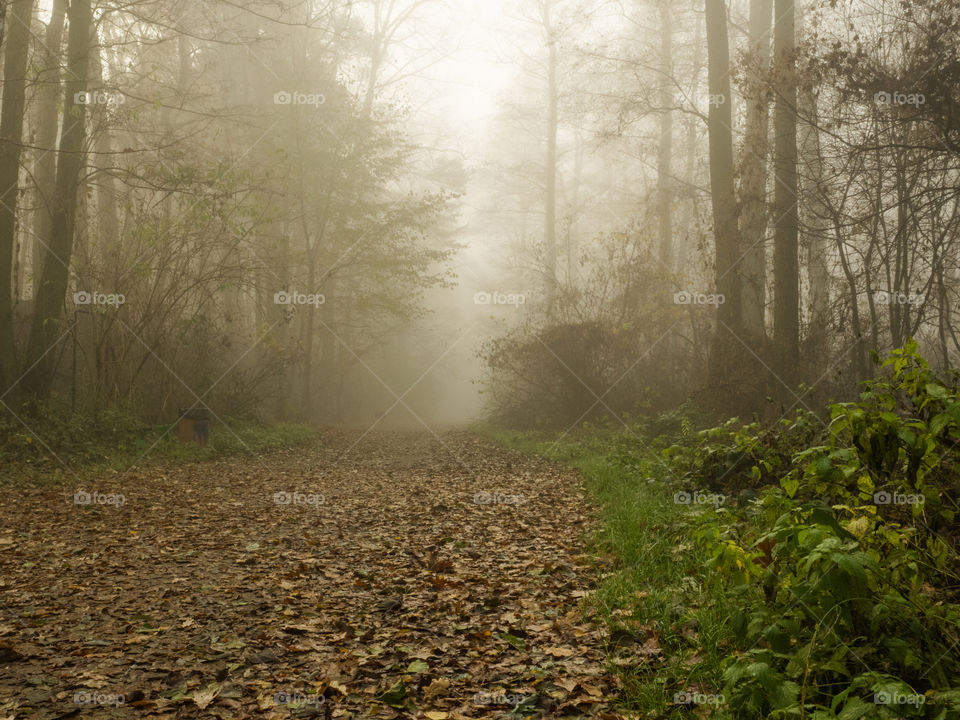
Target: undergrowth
806, 569
52, 444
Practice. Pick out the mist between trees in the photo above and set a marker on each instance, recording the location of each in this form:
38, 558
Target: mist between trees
546, 210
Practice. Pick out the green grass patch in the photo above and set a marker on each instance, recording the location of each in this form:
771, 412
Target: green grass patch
668, 631
51, 447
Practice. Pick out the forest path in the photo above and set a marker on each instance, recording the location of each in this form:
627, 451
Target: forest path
409, 576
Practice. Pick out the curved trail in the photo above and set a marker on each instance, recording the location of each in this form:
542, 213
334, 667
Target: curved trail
408, 577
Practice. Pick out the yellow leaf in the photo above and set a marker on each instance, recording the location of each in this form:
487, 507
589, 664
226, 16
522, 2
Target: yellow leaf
434, 715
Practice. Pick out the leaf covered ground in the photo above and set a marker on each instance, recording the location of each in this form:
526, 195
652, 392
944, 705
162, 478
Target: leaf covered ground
393, 575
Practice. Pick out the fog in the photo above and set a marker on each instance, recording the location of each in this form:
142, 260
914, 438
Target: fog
417, 214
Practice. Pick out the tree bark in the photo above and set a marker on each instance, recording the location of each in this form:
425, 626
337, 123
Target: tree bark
665, 155
11, 147
816, 225
786, 271
727, 351
45, 174
550, 210
46, 327
753, 170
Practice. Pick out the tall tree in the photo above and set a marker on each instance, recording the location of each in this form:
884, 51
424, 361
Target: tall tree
726, 352
48, 116
46, 327
11, 132
753, 168
786, 270
816, 216
665, 155
550, 210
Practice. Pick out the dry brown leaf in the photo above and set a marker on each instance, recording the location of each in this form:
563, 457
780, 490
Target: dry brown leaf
437, 687
202, 698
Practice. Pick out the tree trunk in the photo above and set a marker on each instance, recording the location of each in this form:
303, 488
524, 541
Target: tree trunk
816, 225
753, 170
46, 327
550, 214
786, 271
48, 96
727, 351
11, 137
665, 156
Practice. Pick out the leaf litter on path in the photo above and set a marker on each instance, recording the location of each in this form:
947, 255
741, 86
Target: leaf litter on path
412, 577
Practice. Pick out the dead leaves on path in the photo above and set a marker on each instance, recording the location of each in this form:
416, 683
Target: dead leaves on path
434, 580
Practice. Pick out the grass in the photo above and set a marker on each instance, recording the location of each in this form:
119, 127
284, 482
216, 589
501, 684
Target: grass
57, 447
654, 582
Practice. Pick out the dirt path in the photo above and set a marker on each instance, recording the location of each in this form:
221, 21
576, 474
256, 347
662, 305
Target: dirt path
410, 577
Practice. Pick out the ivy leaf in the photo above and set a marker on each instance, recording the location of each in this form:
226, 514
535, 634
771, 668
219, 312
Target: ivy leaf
395, 696
790, 483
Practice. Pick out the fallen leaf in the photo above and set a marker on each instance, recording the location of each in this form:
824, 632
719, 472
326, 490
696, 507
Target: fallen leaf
202, 698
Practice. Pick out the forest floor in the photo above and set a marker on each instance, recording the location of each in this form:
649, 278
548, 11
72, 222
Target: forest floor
394, 575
